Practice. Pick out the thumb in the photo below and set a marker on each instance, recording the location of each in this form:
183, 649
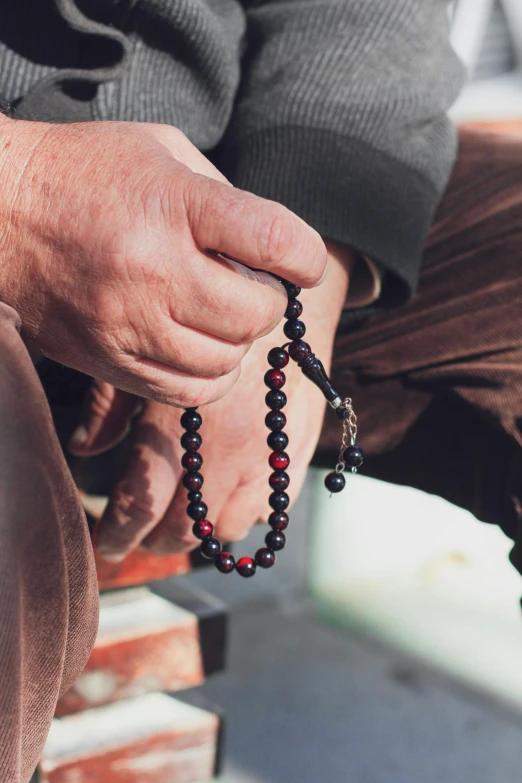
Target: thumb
106, 420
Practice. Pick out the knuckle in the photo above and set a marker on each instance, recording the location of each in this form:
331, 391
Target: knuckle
316, 259
230, 360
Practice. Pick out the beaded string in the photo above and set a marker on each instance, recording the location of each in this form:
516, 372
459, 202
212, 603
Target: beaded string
350, 456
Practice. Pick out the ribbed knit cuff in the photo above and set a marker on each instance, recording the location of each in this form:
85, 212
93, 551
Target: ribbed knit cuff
350, 192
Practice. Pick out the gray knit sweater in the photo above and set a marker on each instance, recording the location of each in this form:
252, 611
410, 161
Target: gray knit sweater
336, 108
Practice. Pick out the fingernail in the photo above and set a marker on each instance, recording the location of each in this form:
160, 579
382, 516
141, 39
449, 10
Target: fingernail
324, 275
80, 436
111, 557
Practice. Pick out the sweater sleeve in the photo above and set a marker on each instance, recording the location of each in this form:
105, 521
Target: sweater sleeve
341, 116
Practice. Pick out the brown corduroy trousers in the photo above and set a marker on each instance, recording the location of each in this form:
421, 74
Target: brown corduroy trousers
437, 387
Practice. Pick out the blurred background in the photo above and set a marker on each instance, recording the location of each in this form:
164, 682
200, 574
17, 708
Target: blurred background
387, 646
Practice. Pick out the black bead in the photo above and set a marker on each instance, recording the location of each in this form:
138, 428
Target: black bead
335, 482
193, 481
276, 399
353, 457
197, 510
279, 501
292, 290
265, 558
246, 566
192, 461
294, 330
275, 540
279, 481
225, 563
277, 358
275, 420
210, 548
194, 497
278, 520
191, 421
278, 441
294, 309
191, 441
299, 350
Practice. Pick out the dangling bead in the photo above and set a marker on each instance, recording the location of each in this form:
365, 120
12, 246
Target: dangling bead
278, 520
197, 510
202, 528
275, 540
278, 441
191, 420
191, 441
275, 379
193, 481
194, 497
279, 501
353, 457
279, 481
294, 330
294, 309
276, 399
225, 562
335, 482
278, 358
275, 420
192, 461
246, 566
210, 548
292, 290
279, 460
299, 350
265, 558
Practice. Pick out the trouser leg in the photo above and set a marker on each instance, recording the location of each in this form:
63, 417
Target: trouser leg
48, 590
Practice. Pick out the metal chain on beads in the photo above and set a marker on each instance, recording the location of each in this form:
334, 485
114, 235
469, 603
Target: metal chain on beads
350, 456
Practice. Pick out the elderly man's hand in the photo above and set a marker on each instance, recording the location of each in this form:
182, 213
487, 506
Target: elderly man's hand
108, 242
148, 506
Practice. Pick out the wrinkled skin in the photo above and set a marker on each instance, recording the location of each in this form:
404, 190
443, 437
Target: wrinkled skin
147, 507
104, 233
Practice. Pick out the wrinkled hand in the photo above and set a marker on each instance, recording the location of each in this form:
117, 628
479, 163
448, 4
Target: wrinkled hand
148, 505
105, 230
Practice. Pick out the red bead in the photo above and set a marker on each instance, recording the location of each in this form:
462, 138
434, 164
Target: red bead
265, 558
275, 379
246, 566
225, 562
279, 460
278, 520
202, 528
